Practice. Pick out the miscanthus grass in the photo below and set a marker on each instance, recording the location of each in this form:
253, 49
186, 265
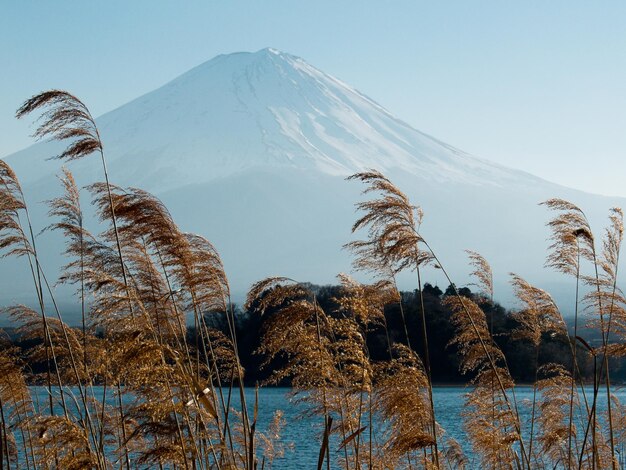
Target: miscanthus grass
131, 388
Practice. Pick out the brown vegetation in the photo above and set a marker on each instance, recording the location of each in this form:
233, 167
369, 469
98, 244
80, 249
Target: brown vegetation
143, 279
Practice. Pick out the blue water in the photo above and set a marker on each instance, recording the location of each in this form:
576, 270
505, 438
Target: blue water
303, 433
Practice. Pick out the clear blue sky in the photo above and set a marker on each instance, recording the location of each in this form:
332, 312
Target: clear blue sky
535, 85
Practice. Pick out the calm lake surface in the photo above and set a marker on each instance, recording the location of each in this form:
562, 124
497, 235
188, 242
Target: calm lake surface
303, 433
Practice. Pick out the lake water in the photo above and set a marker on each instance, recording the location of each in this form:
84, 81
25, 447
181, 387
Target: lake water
304, 433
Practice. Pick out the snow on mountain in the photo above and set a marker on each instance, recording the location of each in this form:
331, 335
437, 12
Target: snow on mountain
270, 109
251, 150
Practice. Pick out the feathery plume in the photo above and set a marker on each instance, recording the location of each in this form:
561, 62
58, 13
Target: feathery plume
64, 117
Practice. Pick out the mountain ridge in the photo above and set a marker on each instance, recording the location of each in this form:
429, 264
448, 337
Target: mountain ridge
251, 151
261, 57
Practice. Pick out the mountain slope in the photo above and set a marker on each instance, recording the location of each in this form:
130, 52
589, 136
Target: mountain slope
251, 150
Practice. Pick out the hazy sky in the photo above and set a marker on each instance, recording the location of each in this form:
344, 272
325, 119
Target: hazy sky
539, 86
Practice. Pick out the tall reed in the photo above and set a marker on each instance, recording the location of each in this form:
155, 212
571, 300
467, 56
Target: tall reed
166, 392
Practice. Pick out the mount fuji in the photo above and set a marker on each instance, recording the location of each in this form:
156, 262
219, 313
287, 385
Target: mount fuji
251, 150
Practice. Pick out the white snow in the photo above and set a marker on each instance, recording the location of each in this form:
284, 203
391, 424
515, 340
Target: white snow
270, 109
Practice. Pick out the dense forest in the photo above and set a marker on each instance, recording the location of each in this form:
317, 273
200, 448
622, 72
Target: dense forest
444, 357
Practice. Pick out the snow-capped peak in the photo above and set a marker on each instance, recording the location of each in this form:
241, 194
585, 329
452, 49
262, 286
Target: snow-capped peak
271, 109
249, 149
